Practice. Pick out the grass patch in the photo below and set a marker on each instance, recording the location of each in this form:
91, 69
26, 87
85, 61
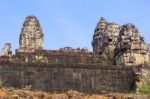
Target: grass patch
145, 89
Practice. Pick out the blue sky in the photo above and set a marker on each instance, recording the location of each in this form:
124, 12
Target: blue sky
70, 22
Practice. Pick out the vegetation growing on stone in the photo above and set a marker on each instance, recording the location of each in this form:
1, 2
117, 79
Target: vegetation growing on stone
145, 89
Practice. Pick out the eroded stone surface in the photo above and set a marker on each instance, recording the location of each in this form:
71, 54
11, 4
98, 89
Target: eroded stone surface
131, 48
6, 50
105, 38
123, 45
31, 37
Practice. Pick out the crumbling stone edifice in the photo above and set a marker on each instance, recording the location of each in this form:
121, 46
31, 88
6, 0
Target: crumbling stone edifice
31, 37
105, 38
119, 61
123, 45
131, 48
6, 50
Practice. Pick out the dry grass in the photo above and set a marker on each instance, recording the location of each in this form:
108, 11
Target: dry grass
11, 93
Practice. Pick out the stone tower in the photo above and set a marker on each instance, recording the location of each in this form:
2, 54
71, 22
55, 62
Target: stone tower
109, 40
131, 48
105, 38
98, 32
31, 37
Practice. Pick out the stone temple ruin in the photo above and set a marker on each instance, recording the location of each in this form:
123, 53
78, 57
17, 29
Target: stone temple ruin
123, 45
31, 37
105, 38
120, 61
135, 49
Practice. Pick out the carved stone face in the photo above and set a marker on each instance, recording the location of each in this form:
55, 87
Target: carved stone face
102, 25
113, 28
27, 36
129, 27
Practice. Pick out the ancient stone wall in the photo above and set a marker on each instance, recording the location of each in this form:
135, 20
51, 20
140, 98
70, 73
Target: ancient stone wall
58, 78
120, 61
47, 57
